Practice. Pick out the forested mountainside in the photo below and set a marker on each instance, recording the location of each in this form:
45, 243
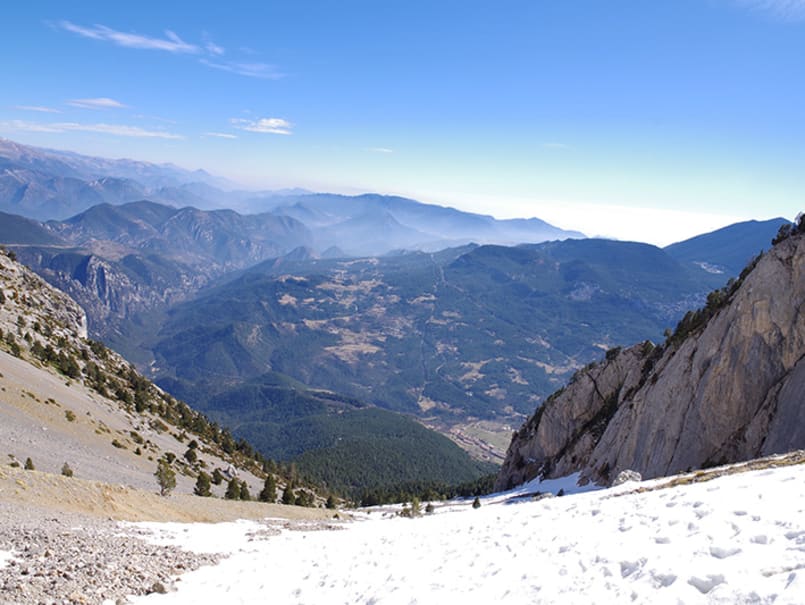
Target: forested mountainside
726, 386
347, 444
476, 331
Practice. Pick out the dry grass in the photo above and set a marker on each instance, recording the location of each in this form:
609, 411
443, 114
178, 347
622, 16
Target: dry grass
700, 476
55, 493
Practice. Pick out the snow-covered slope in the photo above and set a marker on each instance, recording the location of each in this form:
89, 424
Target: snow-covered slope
735, 539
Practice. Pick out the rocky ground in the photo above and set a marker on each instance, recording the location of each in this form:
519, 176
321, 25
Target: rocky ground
80, 559
61, 540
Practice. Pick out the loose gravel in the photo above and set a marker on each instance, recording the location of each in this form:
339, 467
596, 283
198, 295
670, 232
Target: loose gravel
74, 559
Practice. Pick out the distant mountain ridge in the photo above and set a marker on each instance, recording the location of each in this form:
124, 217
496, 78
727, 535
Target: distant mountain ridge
360, 224
729, 249
46, 184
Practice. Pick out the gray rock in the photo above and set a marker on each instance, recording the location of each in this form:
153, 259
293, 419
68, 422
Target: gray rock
626, 476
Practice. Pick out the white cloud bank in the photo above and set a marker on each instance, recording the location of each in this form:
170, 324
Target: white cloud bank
264, 125
97, 103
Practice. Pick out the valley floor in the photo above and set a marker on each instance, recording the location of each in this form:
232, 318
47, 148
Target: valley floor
735, 539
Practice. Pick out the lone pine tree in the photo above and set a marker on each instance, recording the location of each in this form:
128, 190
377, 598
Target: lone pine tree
202, 487
232, 490
269, 491
166, 477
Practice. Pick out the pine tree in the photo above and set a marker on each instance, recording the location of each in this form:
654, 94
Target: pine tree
66, 470
476, 503
202, 485
288, 495
190, 455
29, 465
330, 502
232, 490
217, 476
166, 477
244, 491
269, 491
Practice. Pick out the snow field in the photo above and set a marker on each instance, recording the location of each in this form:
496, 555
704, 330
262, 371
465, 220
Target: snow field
737, 539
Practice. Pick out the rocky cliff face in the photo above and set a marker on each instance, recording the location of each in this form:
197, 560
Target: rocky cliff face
25, 300
110, 291
732, 389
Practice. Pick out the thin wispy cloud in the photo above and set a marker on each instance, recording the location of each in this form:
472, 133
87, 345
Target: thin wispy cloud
250, 70
793, 10
37, 108
263, 125
121, 130
97, 103
220, 135
380, 150
171, 43
142, 116
212, 47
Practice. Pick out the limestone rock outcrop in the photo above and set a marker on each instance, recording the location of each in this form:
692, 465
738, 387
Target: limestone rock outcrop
730, 390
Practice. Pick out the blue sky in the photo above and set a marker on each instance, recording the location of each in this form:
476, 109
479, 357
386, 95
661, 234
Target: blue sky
633, 119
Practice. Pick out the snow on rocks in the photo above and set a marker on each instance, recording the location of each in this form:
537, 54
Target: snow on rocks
735, 539
626, 476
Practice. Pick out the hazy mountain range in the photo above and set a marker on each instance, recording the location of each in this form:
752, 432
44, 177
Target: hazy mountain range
410, 307
47, 184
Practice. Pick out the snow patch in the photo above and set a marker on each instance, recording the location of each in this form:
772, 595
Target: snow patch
709, 267
567, 485
606, 546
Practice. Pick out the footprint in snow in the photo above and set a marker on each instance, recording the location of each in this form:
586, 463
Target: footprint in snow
662, 580
705, 585
721, 552
629, 567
